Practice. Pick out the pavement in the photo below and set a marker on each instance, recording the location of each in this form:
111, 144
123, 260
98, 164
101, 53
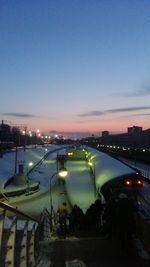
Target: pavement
85, 250
91, 252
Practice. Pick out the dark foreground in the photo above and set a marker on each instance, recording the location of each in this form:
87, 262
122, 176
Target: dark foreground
91, 252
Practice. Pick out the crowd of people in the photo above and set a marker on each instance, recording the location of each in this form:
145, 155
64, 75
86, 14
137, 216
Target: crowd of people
119, 220
114, 219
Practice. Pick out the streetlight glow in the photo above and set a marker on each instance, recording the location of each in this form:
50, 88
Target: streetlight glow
30, 164
90, 163
62, 173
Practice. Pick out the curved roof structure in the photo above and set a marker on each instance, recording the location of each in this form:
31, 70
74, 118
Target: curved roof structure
107, 168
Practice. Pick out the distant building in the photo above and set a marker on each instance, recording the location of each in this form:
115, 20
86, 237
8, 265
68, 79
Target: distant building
135, 137
5, 132
105, 133
105, 138
135, 129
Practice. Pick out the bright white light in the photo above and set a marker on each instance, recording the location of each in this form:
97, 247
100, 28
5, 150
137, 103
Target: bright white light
128, 182
70, 153
30, 164
63, 173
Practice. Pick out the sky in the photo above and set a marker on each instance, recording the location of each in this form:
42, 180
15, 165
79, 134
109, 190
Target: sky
75, 65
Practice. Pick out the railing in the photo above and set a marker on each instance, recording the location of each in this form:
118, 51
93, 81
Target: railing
42, 159
143, 228
20, 238
145, 173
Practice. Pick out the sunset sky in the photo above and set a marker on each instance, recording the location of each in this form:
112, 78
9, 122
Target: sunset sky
75, 65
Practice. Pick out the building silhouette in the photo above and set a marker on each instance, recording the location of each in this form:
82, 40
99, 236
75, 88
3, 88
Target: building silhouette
135, 137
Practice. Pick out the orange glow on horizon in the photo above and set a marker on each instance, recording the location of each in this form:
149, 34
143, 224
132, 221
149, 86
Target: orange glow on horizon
91, 126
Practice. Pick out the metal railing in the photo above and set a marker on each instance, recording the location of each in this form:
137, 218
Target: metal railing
145, 173
20, 238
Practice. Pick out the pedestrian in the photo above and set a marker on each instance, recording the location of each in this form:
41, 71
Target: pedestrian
72, 221
125, 221
109, 218
89, 216
97, 211
78, 217
62, 215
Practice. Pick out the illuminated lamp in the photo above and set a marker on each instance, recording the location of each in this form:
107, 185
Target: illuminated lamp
127, 182
138, 183
62, 172
70, 153
30, 164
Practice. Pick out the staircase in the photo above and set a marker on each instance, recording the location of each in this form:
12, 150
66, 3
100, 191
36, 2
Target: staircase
28, 242
21, 236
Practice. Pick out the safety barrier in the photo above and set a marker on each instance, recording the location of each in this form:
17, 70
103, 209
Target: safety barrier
17, 245
143, 229
44, 226
20, 238
145, 173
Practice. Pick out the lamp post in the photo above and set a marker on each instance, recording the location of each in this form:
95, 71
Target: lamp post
16, 158
61, 173
24, 132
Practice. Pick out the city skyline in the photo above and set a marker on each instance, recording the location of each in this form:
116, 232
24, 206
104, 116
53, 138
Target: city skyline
75, 66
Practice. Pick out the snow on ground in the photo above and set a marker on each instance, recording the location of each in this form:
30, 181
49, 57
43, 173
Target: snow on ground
79, 183
7, 162
45, 170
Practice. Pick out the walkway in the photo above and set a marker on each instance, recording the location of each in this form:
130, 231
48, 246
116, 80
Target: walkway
91, 252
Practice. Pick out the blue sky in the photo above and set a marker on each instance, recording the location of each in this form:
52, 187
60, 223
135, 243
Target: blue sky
75, 65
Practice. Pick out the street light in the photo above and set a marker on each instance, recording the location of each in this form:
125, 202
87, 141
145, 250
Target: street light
62, 172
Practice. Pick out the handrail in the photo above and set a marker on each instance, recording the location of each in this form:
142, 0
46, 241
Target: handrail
42, 159
3, 194
16, 211
28, 240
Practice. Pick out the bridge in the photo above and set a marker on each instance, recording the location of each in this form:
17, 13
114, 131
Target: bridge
90, 175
